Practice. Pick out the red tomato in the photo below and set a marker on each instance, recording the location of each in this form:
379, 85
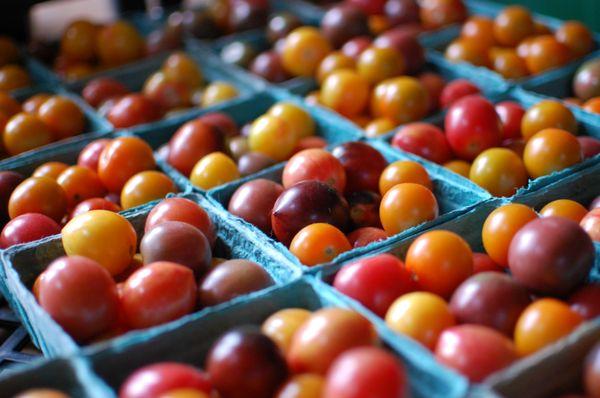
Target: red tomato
472, 126
483, 263
586, 301
191, 142
158, 293
369, 7
90, 154
375, 282
590, 146
80, 295
366, 372
95, 204
363, 165
363, 236
456, 90
475, 351
27, 228
314, 164
133, 109
591, 224
425, 140
154, 380
101, 89
510, 114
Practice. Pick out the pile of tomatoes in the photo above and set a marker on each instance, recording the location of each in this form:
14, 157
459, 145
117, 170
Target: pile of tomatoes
329, 353
102, 288
516, 46
109, 175
12, 74
325, 195
500, 147
464, 306
40, 120
177, 86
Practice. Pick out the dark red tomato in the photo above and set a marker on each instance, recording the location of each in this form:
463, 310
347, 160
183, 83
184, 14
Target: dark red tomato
159, 378
364, 209
363, 236
95, 204
405, 41
27, 228
192, 142
9, 180
253, 358
590, 146
80, 295
369, 7
425, 140
433, 83
253, 162
132, 110
591, 372
354, 47
401, 12
586, 301
483, 263
90, 154
363, 165
475, 351
375, 281
181, 209
158, 293
269, 66
101, 89
472, 126
510, 113
456, 90
317, 165
221, 122
366, 372
253, 202
343, 22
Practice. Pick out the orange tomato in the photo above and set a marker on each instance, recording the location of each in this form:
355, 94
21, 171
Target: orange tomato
467, 50
545, 53
80, 183
547, 114
78, 41
592, 105
38, 195
508, 63
500, 171
512, 25
303, 50
403, 171
272, 136
297, 118
121, 159
401, 99
335, 61
307, 385
145, 187
213, 170
460, 167
376, 64
8, 105
479, 28
50, 169
564, 208
551, 150
25, 132
576, 36
346, 92
379, 126
405, 206
319, 243
282, 325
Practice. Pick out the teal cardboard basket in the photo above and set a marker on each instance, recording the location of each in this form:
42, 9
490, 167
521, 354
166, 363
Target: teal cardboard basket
23, 263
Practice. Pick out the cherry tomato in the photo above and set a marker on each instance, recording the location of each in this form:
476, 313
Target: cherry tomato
101, 89
467, 50
297, 118
512, 25
50, 169
121, 159
25, 132
334, 62
184, 393
319, 243
509, 64
592, 105
90, 154
591, 377
145, 187
32, 104
42, 393
78, 41
354, 47
475, 351
591, 224
342, 22
576, 36
119, 43
303, 51
181, 68
13, 77
401, 99
160, 378
80, 295
500, 171
376, 64
253, 202
460, 167
167, 93
545, 53
405, 206
511, 114
366, 235
38, 195
305, 385
103, 236
586, 301
484, 263
542, 323
217, 92
27, 228
362, 164
403, 171
346, 92
95, 204
80, 183
455, 90
479, 28
472, 126
213, 170
547, 114
378, 127
191, 142
564, 208
314, 164
271, 136
437, 13
133, 109
434, 84
62, 116
282, 325
425, 140
551, 150
8, 105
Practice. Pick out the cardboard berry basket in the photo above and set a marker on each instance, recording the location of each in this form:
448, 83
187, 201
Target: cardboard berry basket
190, 342
23, 263
536, 375
73, 377
95, 126
454, 194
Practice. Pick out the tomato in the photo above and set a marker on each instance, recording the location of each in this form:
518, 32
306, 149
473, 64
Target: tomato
190, 143
319, 243
42, 393
80, 295
101, 89
467, 50
472, 126
484, 263
90, 154
324, 336
334, 62
167, 93
78, 41
123, 158
32, 104
425, 140
407, 205
475, 351
8, 105
217, 92
119, 43
589, 146
282, 325
363, 236
511, 114
27, 228
401, 99
145, 187
512, 25
438, 13
160, 378
479, 28
434, 84
133, 109
362, 164
366, 372
576, 36
25, 132
499, 171
460, 167
213, 170
80, 183
551, 150
591, 377
354, 47
181, 68
296, 117
313, 142
38, 195
455, 90
103, 236
403, 171
547, 114
591, 224
184, 393
592, 105
421, 316
346, 92
303, 51
13, 77
271, 136
50, 169
95, 204
62, 116
586, 301
542, 323
509, 64
545, 53
314, 164
9, 52
253, 202
378, 127
376, 64
342, 22
564, 208
375, 282
305, 385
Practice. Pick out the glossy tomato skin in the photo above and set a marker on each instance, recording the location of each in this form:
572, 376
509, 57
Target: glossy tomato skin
366, 372
95, 204
499, 171
590, 146
510, 114
132, 110
455, 90
551, 255
319, 243
90, 154
343, 22
483, 263
591, 372
251, 356
80, 295
282, 325
253, 202
38, 195
586, 301
314, 164
101, 89
375, 282
405, 41
364, 209
363, 165
472, 125
27, 228
475, 351
154, 380
366, 235
50, 169
405, 206
192, 141
591, 224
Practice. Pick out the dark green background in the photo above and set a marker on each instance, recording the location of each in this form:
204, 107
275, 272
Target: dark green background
587, 11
